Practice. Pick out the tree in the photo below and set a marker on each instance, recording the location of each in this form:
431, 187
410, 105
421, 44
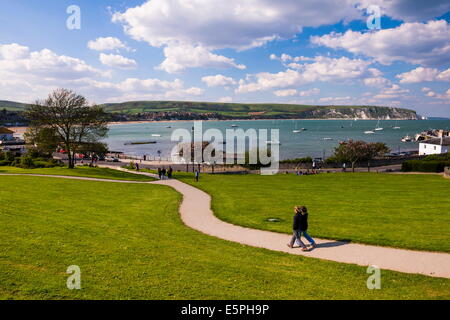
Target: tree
41, 141
374, 150
354, 151
68, 115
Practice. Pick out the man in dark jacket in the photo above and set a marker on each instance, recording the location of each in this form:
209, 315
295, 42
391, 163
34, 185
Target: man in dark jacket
299, 227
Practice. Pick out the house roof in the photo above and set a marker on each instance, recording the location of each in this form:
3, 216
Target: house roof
437, 141
4, 130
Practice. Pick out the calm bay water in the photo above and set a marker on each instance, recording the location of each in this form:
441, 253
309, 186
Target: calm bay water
293, 145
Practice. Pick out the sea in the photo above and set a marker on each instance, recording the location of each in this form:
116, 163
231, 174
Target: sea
319, 138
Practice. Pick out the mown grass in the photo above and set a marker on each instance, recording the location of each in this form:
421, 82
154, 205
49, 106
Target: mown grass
130, 243
80, 171
405, 211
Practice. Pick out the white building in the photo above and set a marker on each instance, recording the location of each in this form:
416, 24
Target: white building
434, 146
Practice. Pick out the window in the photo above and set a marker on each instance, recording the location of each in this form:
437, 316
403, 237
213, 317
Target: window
434, 147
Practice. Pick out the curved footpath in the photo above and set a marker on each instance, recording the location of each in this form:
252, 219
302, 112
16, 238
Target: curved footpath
196, 213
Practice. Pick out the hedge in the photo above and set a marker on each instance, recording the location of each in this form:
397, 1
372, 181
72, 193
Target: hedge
424, 166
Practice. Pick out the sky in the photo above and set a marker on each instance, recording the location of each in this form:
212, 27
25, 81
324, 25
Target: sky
322, 52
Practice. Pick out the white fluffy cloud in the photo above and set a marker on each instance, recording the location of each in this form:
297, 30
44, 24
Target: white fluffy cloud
28, 75
17, 61
226, 99
106, 44
195, 91
418, 43
421, 74
178, 58
196, 28
218, 80
322, 69
310, 92
286, 93
377, 82
393, 92
117, 61
228, 24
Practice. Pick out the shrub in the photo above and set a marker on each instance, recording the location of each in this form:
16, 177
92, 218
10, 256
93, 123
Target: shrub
26, 162
424, 166
437, 157
130, 166
5, 163
298, 160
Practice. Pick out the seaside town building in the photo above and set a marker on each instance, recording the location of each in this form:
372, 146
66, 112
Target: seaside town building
434, 146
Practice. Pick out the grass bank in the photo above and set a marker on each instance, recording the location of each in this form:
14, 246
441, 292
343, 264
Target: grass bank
405, 211
130, 243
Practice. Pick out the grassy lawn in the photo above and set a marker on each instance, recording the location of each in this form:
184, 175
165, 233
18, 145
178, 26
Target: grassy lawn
405, 211
81, 171
130, 243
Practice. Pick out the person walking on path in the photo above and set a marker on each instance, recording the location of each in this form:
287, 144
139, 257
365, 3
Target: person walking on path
159, 173
196, 175
163, 173
300, 226
137, 166
169, 172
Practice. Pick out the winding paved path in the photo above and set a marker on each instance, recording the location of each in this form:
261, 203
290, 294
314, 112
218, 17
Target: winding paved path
196, 213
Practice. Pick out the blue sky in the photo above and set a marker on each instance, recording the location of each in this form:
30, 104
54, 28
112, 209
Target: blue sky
307, 52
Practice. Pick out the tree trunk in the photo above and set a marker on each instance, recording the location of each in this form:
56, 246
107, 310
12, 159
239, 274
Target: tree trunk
353, 166
368, 166
70, 156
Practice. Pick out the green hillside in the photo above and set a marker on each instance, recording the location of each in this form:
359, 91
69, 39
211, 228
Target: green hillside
241, 110
11, 105
247, 111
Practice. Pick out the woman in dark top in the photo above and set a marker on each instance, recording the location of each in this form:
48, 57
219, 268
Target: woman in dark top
300, 226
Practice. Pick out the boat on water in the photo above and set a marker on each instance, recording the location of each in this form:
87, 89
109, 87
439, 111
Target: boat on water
378, 128
369, 132
234, 126
156, 135
168, 127
396, 127
273, 142
298, 130
327, 138
407, 138
139, 143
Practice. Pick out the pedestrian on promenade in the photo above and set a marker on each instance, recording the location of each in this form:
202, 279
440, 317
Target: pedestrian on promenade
299, 227
197, 174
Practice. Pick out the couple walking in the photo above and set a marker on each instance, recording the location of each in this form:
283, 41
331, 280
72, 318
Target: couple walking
300, 226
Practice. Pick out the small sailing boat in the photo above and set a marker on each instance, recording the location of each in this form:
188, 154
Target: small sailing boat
156, 135
234, 126
296, 130
396, 127
378, 128
369, 132
327, 138
407, 138
273, 142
